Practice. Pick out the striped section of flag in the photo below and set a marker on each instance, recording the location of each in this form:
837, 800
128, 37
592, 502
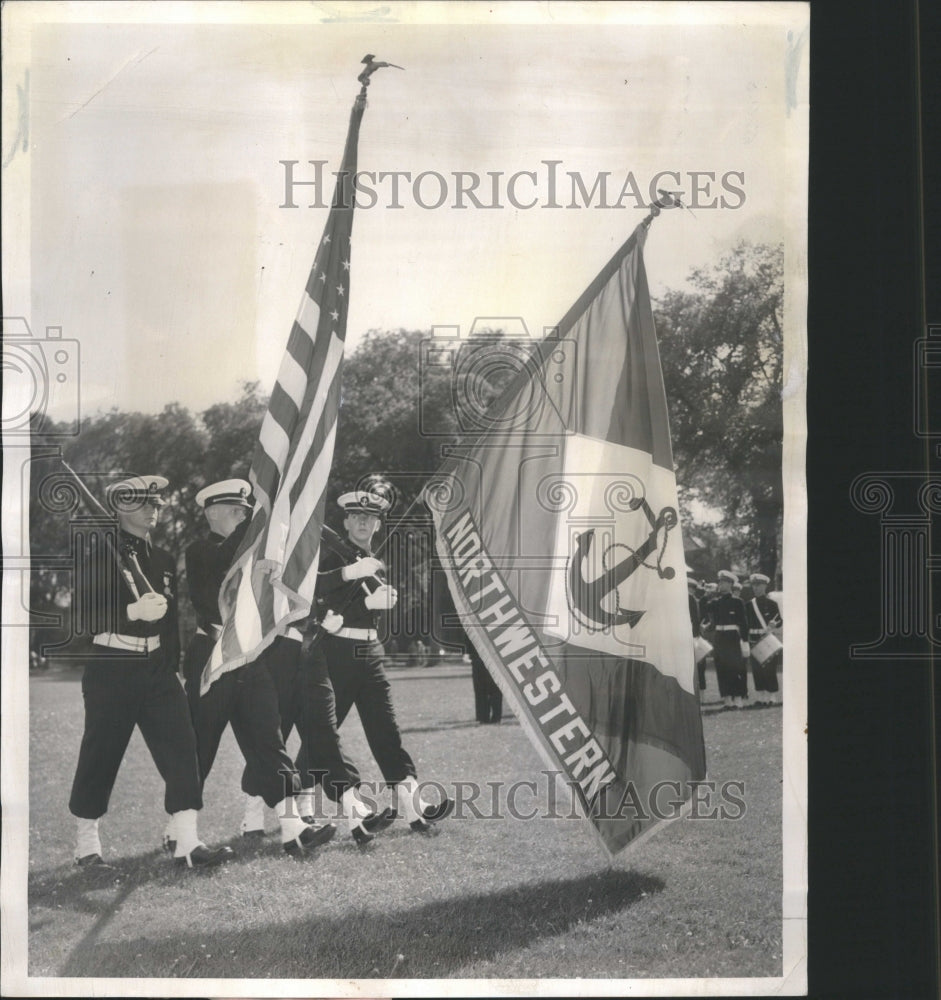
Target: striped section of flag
271, 581
559, 533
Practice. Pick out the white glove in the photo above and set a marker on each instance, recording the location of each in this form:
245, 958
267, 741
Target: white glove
367, 566
150, 608
331, 622
382, 598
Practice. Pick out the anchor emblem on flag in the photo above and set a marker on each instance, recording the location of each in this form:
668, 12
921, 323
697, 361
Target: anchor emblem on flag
588, 599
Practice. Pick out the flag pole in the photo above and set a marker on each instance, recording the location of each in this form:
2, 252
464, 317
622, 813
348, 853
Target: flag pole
271, 582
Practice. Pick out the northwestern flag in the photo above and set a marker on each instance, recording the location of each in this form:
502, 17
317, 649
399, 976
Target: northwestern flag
271, 581
557, 526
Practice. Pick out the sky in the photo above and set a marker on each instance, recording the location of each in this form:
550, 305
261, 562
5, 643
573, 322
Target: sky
154, 196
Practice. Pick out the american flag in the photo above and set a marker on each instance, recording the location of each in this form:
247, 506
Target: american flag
271, 581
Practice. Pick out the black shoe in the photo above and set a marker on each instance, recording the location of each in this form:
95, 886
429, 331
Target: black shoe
362, 836
95, 863
434, 814
376, 822
420, 826
202, 856
309, 838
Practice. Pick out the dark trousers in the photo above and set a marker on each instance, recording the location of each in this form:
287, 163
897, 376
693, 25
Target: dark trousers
359, 679
488, 698
247, 698
120, 694
731, 669
196, 657
306, 700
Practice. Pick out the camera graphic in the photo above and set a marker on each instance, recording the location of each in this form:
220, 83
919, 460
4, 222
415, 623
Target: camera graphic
40, 381
498, 380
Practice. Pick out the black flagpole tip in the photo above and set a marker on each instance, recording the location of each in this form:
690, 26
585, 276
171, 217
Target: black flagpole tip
667, 199
371, 66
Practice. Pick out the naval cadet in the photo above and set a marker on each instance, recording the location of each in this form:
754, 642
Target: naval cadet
131, 680
724, 617
246, 695
226, 507
352, 583
488, 697
763, 616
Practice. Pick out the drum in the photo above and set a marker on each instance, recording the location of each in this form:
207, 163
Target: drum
766, 647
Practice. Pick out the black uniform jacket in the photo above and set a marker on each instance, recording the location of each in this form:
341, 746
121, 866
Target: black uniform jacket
769, 611
344, 598
207, 561
103, 593
724, 609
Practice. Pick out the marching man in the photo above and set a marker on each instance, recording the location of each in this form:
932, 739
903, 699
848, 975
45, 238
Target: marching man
226, 507
725, 616
353, 586
246, 696
763, 615
131, 680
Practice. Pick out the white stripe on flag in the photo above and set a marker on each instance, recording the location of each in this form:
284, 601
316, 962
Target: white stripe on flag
293, 378
281, 606
247, 620
308, 315
274, 440
276, 541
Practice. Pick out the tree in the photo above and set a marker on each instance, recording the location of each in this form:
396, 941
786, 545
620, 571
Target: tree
233, 432
721, 350
394, 413
398, 410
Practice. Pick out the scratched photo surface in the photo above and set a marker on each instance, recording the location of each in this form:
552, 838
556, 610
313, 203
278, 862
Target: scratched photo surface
168, 176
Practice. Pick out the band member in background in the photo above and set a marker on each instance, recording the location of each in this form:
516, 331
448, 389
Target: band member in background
131, 680
488, 698
245, 696
724, 615
763, 616
352, 583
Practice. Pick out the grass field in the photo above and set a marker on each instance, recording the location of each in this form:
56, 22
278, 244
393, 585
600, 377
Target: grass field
483, 897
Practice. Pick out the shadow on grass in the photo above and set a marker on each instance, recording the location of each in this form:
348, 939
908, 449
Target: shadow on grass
508, 720
92, 890
435, 940
714, 708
